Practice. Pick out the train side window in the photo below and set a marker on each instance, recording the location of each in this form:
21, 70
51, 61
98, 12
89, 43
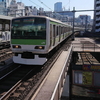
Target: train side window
7, 27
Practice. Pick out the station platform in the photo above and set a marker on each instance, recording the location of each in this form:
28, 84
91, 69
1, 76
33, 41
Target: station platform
52, 86
56, 84
86, 45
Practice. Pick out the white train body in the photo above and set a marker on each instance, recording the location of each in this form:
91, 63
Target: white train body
5, 38
33, 37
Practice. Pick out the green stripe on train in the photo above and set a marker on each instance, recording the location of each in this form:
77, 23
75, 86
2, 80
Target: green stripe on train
28, 42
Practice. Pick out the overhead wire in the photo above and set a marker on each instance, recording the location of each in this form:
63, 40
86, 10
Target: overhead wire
34, 3
47, 7
67, 4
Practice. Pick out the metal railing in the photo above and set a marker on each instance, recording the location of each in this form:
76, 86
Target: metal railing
86, 47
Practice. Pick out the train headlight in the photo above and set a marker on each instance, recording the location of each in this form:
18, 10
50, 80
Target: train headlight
16, 46
39, 47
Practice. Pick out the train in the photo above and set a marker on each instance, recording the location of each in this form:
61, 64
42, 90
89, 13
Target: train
33, 38
5, 32
5, 39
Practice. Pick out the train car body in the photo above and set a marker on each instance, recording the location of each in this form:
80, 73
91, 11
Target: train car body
5, 31
5, 39
33, 38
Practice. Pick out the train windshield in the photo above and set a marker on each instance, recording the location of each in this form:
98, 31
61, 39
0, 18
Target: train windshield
28, 28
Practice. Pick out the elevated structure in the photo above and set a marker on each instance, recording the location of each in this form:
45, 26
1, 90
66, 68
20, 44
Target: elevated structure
52, 86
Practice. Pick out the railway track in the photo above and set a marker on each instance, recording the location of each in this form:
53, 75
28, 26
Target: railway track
4, 55
12, 80
27, 84
87, 59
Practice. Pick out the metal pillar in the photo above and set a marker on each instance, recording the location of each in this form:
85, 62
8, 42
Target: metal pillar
73, 23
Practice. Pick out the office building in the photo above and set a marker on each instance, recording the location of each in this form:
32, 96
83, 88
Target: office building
58, 7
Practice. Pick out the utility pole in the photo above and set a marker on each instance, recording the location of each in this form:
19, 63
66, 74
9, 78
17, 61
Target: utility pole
73, 22
86, 23
78, 11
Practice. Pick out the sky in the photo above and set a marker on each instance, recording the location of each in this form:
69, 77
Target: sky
67, 4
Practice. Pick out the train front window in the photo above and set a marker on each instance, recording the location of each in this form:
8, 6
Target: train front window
28, 28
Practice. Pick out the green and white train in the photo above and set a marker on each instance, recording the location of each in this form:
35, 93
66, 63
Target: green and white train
34, 37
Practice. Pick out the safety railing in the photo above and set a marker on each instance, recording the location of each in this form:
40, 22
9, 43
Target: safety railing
85, 47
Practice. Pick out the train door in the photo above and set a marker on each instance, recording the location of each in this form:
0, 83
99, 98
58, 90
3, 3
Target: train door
51, 35
54, 31
63, 32
67, 28
59, 33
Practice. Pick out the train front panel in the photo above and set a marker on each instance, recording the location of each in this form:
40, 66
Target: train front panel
28, 40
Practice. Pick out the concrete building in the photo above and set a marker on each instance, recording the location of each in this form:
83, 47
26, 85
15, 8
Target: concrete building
97, 16
28, 10
58, 7
85, 19
4, 4
16, 9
